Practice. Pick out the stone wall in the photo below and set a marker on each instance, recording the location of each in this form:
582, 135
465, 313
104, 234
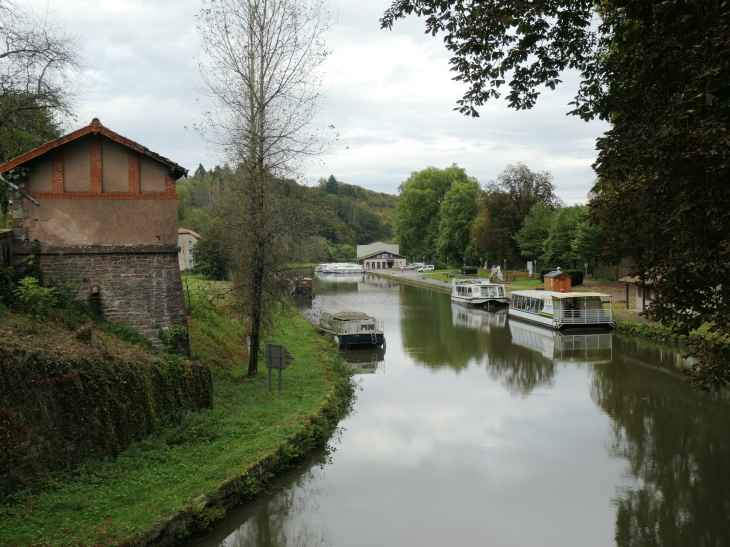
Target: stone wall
140, 286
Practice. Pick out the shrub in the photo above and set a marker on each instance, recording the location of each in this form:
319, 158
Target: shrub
37, 300
439, 265
469, 270
577, 276
544, 271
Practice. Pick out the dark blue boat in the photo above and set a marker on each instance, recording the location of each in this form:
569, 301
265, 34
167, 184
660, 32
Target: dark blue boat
352, 328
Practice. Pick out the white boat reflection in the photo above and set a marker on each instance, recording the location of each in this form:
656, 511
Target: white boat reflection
337, 278
478, 318
588, 347
366, 361
373, 283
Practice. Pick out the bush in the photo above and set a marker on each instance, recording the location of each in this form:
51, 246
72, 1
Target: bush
36, 299
577, 276
469, 270
439, 265
544, 271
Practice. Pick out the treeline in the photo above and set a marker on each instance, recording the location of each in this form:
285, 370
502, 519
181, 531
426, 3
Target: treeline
348, 216
445, 216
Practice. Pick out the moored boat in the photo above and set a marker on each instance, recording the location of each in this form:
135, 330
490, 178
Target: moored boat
477, 292
561, 309
352, 327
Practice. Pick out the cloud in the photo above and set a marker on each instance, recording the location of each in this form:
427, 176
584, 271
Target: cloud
390, 95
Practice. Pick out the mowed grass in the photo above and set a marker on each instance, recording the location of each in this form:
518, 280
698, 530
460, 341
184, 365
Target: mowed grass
115, 501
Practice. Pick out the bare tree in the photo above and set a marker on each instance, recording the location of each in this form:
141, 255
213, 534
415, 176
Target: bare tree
260, 69
40, 61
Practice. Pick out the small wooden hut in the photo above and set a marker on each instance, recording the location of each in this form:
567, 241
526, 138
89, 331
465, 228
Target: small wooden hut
558, 281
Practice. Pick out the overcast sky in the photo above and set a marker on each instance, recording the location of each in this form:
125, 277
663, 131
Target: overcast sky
389, 94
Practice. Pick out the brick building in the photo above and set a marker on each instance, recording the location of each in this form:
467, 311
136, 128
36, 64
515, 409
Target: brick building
107, 216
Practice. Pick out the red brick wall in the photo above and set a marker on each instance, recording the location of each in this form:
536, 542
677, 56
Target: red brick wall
57, 172
95, 160
133, 173
141, 290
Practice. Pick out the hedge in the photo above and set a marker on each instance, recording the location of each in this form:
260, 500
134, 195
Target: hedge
469, 270
577, 275
55, 410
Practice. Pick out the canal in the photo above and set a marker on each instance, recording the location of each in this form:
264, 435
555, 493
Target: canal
471, 429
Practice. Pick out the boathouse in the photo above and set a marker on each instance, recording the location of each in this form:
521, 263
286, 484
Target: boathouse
103, 209
380, 255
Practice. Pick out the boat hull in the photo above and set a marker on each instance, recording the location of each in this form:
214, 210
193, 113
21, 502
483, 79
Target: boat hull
550, 322
347, 340
473, 302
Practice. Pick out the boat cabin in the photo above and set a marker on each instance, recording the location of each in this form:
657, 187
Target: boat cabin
561, 309
476, 292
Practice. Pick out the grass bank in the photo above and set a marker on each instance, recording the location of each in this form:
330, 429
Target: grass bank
183, 479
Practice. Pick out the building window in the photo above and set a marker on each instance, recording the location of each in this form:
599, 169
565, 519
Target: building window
190, 243
190, 263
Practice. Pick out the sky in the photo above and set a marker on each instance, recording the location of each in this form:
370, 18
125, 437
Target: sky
389, 94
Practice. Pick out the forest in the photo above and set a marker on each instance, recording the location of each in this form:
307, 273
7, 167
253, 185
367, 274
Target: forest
349, 215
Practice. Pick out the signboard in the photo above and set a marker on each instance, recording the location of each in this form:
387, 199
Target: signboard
278, 356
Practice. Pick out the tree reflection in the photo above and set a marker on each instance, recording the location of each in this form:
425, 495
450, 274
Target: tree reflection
429, 334
675, 443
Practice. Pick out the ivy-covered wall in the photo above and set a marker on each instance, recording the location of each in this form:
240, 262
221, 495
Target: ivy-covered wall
56, 410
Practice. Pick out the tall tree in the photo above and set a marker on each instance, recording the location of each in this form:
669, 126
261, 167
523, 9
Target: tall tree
261, 69
332, 185
506, 202
458, 212
419, 208
535, 231
558, 247
658, 71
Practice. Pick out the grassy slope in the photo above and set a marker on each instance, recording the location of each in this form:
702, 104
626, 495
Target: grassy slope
116, 501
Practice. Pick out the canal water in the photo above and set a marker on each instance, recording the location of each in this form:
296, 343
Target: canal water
471, 429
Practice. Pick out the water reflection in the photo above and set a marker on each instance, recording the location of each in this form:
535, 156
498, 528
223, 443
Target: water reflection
583, 347
478, 318
366, 360
289, 513
675, 445
483, 424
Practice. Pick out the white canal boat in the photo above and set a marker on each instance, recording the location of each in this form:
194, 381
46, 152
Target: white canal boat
477, 292
352, 328
558, 310
339, 268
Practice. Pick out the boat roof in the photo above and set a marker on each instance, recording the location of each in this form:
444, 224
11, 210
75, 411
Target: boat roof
549, 295
344, 313
475, 281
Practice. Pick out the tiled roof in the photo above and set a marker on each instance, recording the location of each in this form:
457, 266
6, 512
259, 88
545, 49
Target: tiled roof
97, 128
182, 230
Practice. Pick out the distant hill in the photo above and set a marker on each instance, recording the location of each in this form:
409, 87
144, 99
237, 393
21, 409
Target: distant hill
352, 215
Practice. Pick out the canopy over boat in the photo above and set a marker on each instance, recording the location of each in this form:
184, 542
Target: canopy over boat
345, 314
552, 295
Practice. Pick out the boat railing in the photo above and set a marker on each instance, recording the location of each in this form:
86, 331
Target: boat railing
584, 316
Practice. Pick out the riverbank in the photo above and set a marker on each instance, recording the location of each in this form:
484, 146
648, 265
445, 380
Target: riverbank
170, 485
